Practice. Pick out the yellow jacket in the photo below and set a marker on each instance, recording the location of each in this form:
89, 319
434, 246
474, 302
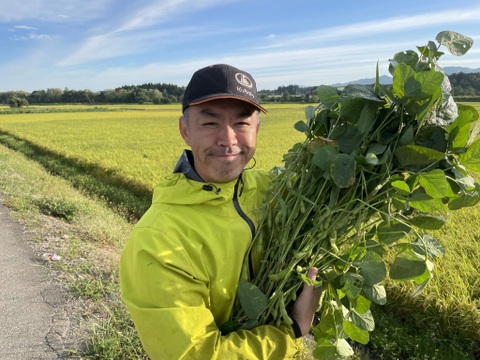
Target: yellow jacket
181, 265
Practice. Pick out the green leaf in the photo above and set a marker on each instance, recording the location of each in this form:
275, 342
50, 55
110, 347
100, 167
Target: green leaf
417, 155
432, 137
407, 266
375, 293
324, 155
361, 304
435, 184
343, 348
371, 159
408, 137
326, 350
342, 170
328, 95
302, 127
353, 284
466, 199
373, 245
401, 187
350, 108
401, 75
328, 323
309, 113
420, 108
355, 333
420, 279
462, 131
399, 202
372, 268
252, 300
458, 138
388, 233
430, 51
408, 57
386, 157
320, 123
471, 158
347, 137
363, 321
377, 80
367, 118
359, 91
423, 85
428, 222
456, 43
425, 203
418, 290
463, 179
427, 245
377, 148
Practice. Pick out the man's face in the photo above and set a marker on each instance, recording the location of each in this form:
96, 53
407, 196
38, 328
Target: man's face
223, 136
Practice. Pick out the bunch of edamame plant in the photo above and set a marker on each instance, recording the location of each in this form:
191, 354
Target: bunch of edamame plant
380, 166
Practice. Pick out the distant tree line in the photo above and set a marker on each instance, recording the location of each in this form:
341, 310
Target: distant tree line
290, 93
464, 85
128, 94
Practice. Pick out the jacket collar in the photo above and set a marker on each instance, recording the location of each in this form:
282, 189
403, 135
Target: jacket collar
185, 166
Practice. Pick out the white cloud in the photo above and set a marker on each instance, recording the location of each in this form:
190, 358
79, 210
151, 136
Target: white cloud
38, 36
134, 33
30, 37
166, 10
52, 10
367, 29
114, 44
25, 27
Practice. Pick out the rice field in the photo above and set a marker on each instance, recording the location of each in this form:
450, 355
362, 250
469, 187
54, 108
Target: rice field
141, 143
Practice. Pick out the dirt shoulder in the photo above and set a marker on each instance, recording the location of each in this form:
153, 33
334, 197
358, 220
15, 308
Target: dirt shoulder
37, 314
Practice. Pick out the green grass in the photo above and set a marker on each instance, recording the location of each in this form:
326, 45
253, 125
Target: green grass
114, 158
413, 337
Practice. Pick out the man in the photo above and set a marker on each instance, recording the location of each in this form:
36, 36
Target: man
182, 262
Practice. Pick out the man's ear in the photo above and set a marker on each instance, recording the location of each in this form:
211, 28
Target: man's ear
259, 119
184, 130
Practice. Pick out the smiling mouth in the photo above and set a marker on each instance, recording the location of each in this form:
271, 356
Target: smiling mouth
227, 156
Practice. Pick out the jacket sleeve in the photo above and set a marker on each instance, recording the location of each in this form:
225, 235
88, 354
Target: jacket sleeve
169, 306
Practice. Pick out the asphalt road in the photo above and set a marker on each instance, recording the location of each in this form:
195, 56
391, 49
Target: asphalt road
34, 322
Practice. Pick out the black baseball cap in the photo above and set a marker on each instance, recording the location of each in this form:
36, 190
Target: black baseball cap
221, 82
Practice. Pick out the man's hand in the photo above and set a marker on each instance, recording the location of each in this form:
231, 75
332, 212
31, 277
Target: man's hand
306, 304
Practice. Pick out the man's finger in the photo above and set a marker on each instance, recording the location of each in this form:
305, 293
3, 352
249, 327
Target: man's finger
312, 273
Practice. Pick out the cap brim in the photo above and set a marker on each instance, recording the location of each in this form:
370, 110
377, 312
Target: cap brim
229, 96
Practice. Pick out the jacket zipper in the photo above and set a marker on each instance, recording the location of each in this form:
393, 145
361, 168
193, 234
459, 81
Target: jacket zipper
251, 225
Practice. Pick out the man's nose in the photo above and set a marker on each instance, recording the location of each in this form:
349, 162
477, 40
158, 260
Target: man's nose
227, 136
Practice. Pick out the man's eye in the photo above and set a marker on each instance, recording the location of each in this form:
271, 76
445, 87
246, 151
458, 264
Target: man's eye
244, 122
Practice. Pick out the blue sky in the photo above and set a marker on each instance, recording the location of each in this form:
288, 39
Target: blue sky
103, 44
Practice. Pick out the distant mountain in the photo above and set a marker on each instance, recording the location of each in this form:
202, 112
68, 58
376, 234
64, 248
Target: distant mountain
384, 79
449, 70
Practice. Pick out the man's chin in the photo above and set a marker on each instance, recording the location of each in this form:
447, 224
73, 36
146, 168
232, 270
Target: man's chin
226, 175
